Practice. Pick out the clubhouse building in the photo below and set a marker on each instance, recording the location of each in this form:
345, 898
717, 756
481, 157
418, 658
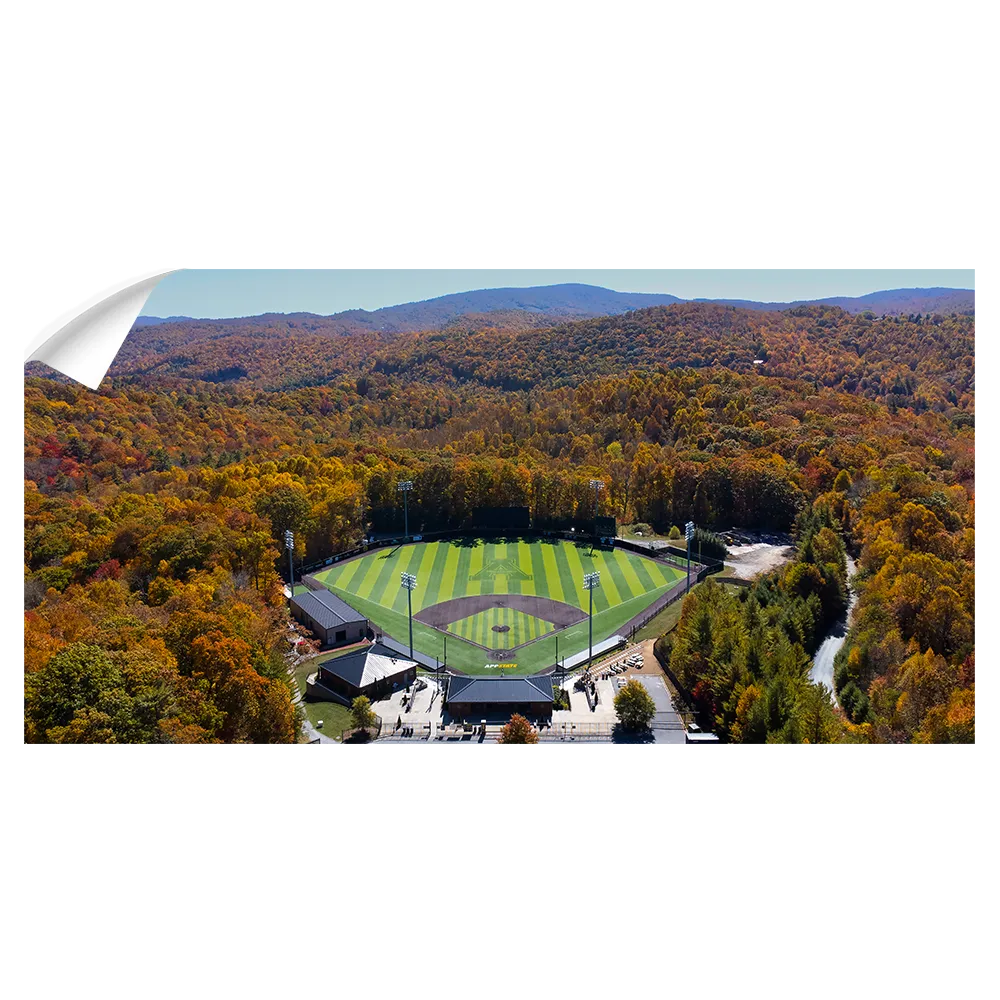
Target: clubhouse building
480, 697
331, 620
374, 671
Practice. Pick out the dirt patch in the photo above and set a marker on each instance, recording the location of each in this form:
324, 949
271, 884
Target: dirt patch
758, 557
555, 612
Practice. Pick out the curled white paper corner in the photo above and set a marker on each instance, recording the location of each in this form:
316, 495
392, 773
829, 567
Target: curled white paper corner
82, 344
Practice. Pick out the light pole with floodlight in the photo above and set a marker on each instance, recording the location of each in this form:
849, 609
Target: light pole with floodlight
590, 581
290, 545
409, 581
689, 535
596, 485
405, 487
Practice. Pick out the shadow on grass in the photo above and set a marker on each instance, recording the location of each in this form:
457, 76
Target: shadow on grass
359, 738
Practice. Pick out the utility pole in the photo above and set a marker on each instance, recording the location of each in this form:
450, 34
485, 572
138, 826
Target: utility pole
405, 487
290, 545
409, 581
590, 581
689, 535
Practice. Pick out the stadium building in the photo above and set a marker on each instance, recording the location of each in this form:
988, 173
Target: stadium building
331, 620
374, 671
479, 697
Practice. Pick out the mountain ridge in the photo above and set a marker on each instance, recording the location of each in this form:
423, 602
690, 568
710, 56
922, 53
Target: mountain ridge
580, 301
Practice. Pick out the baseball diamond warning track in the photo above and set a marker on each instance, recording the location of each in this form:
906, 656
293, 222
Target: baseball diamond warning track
476, 599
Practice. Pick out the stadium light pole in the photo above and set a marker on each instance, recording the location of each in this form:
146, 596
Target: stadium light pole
290, 545
590, 581
405, 487
409, 581
444, 669
689, 535
596, 485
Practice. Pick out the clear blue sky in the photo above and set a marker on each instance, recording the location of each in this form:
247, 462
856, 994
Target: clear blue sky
216, 294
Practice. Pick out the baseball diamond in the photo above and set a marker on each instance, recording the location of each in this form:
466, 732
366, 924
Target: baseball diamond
446, 612
478, 599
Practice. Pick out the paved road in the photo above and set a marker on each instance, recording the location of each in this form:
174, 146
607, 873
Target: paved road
667, 725
822, 668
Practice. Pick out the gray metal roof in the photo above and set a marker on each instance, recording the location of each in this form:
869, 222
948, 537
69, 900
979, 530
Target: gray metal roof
500, 690
326, 609
366, 665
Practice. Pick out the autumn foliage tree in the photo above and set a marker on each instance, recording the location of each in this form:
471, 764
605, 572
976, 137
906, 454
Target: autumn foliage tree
362, 715
155, 506
518, 730
634, 706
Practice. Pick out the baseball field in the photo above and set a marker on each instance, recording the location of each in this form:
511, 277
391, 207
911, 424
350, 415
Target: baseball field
503, 603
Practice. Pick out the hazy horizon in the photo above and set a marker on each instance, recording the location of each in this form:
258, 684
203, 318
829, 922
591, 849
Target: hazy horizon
225, 294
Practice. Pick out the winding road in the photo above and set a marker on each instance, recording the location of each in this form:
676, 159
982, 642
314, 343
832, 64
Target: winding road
822, 667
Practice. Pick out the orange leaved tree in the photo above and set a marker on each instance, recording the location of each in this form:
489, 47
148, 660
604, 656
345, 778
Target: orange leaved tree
518, 730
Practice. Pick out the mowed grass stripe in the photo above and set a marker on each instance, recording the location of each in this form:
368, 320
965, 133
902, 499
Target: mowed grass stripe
458, 587
655, 572
412, 565
469, 586
538, 587
342, 576
669, 574
334, 576
514, 583
423, 572
378, 576
487, 581
627, 564
446, 585
581, 562
644, 578
371, 585
614, 566
430, 594
570, 584
609, 586
553, 578
353, 572
527, 563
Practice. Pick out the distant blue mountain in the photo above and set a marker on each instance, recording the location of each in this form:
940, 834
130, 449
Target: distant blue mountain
573, 301
157, 320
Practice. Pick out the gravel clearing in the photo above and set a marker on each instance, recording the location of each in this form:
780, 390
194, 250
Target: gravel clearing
759, 557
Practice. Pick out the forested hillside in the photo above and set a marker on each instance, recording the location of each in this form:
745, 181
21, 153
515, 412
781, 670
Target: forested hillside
154, 506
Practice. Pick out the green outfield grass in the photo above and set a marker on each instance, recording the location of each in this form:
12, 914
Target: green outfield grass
446, 570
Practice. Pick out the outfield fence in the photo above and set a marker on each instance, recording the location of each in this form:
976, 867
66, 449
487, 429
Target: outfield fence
675, 557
